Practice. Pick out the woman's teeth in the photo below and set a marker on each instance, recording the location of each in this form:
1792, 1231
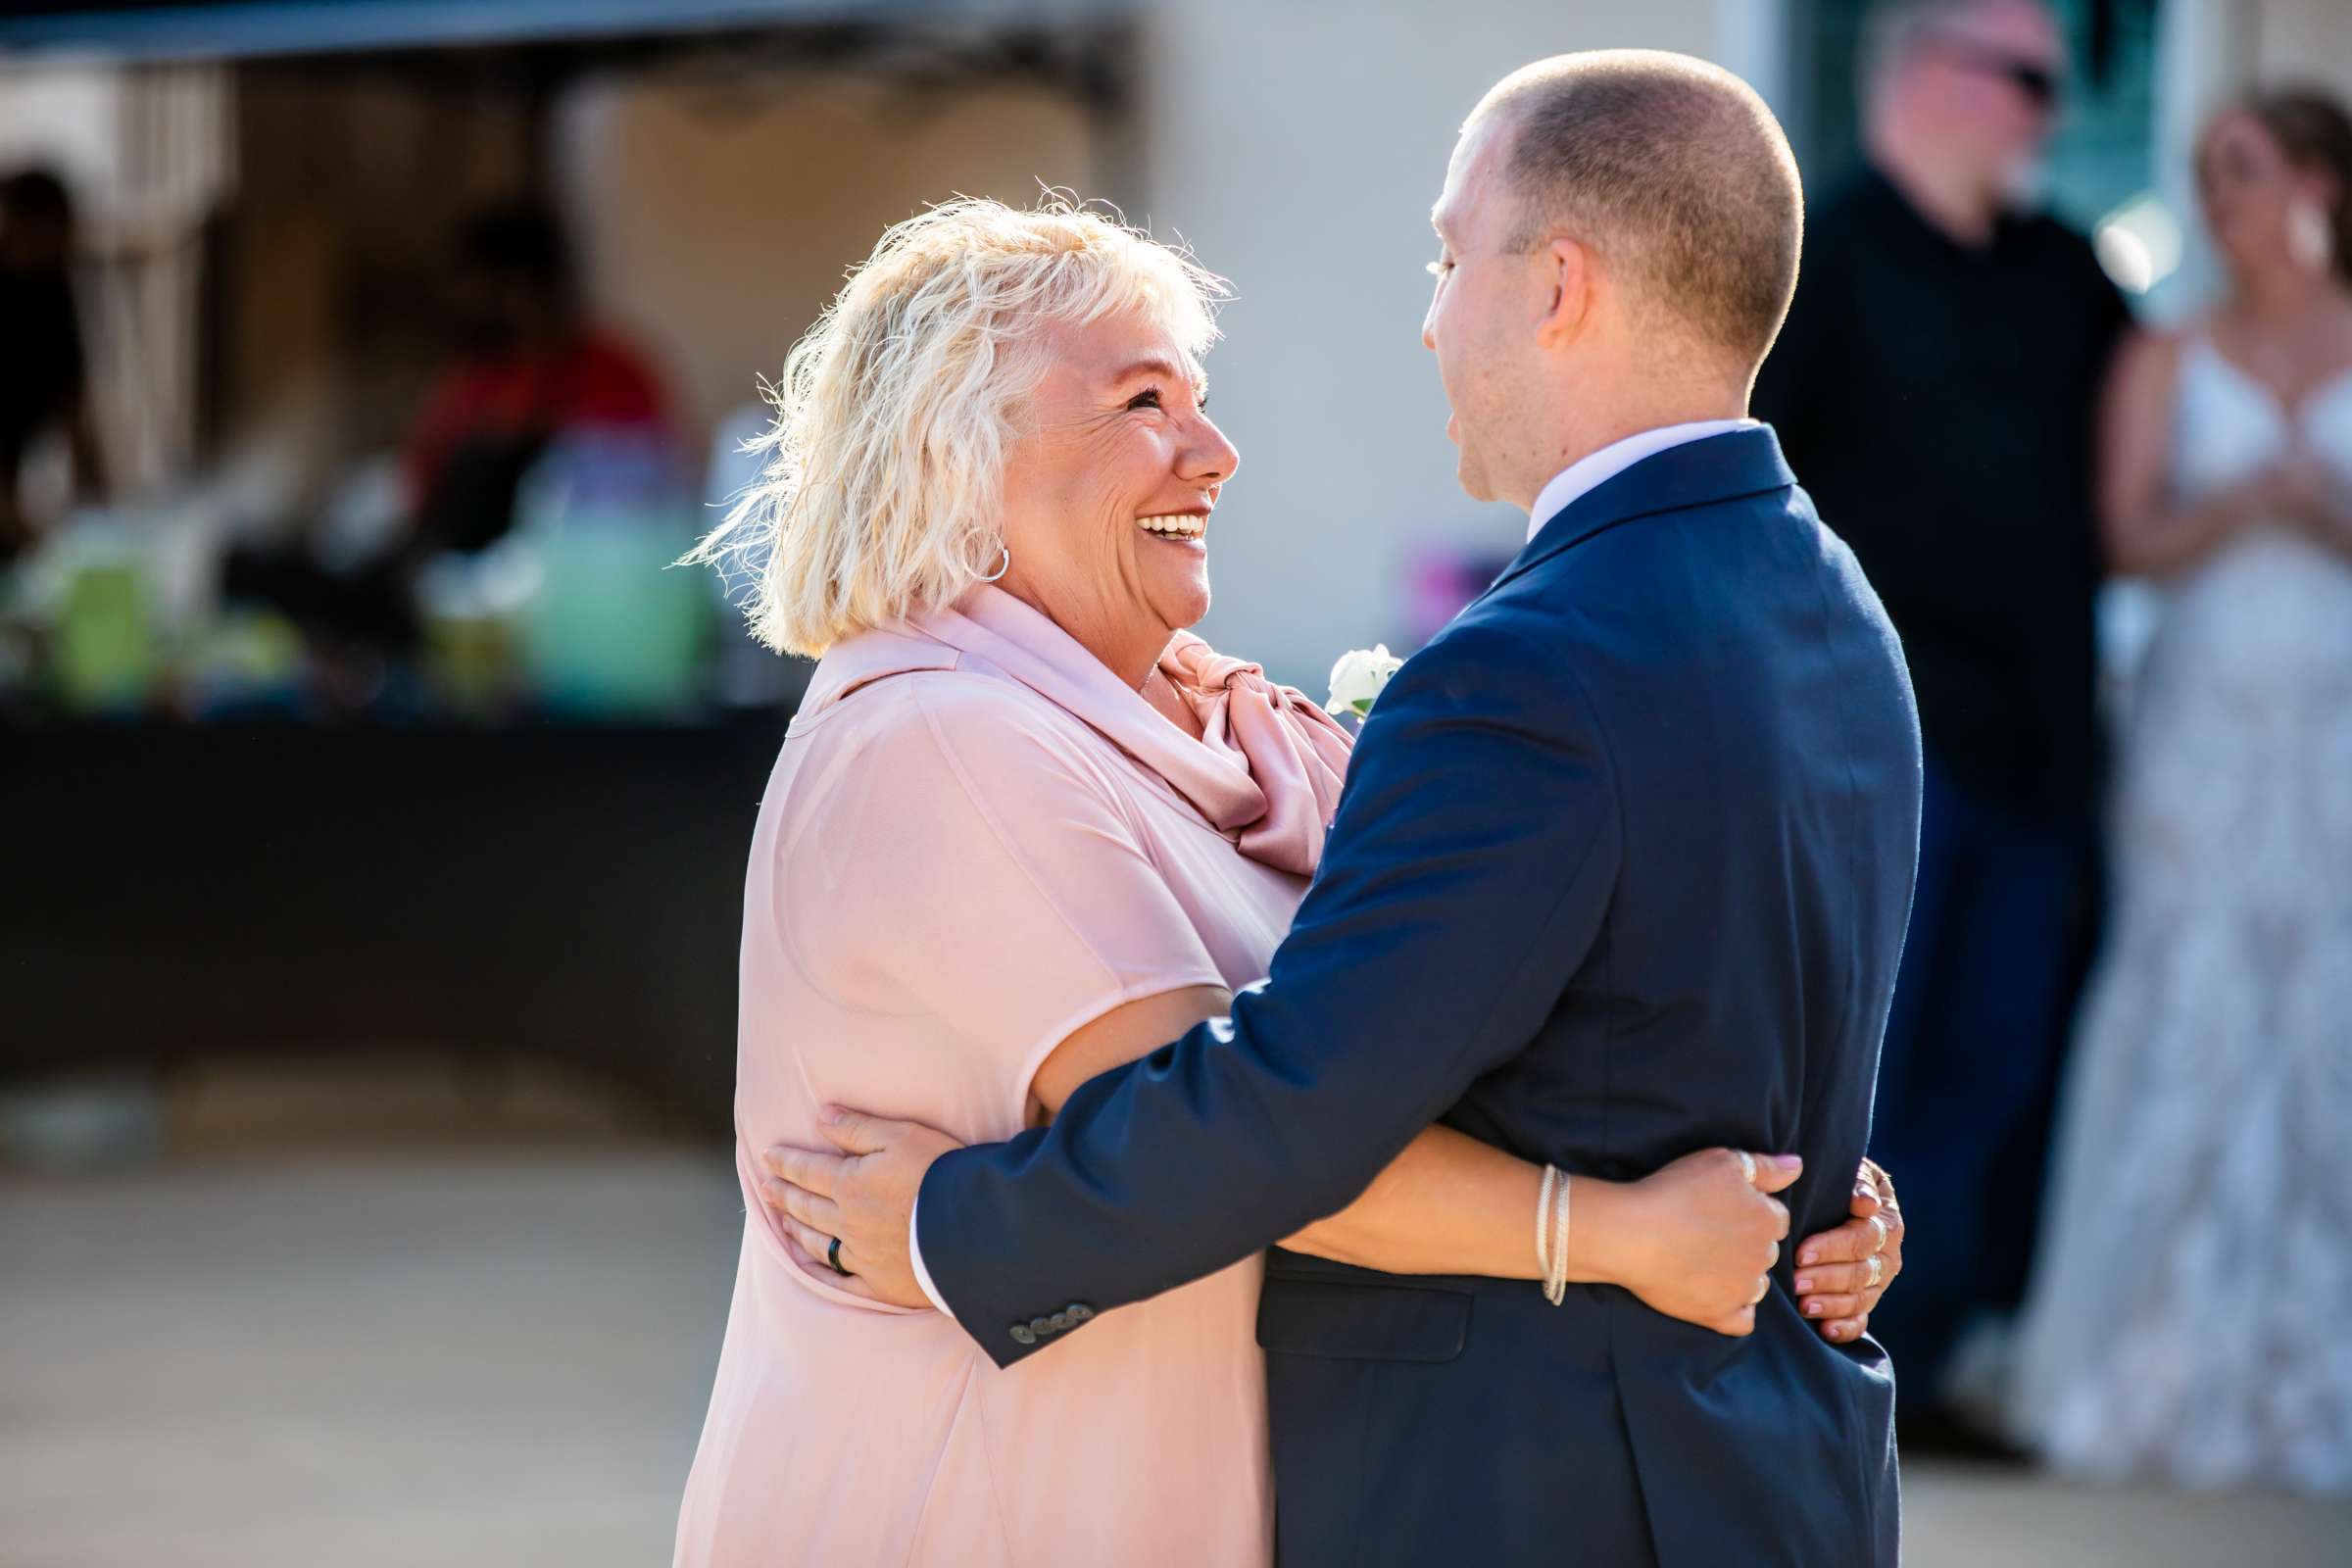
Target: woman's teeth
1176, 526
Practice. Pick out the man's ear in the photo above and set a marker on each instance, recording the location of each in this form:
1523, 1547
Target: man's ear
1568, 275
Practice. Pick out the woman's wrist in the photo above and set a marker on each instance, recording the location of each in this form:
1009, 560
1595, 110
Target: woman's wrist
1603, 1245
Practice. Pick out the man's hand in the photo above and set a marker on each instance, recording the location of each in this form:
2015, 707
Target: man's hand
864, 1196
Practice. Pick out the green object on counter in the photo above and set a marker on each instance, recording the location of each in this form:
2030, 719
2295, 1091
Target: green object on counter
469, 662
614, 631
103, 653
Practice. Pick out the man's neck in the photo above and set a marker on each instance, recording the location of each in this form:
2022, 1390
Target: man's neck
1955, 200
1625, 420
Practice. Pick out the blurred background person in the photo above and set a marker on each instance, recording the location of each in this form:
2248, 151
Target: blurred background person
45, 389
1945, 346
526, 367
2205, 1193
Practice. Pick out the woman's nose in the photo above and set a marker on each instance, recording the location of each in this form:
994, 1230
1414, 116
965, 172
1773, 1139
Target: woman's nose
1210, 458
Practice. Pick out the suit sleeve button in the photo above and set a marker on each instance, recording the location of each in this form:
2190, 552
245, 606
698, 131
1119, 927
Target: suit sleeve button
1023, 1334
1041, 1326
1079, 1313
1059, 1321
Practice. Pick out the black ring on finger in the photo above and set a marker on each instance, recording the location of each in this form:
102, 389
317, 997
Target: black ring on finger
833, 1258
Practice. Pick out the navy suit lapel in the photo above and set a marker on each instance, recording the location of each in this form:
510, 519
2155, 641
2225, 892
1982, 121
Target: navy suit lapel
1697, 473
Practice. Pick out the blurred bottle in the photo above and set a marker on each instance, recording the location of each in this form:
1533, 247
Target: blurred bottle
611, 631
103, 649
470, 608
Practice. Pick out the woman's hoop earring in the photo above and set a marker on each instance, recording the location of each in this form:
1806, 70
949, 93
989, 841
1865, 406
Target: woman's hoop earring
2309, 239
1002, 566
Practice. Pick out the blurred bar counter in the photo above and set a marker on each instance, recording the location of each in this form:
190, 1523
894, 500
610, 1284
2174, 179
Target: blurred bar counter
570, 889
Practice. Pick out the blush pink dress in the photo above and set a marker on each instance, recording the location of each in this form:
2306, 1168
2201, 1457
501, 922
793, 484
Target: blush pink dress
976, 840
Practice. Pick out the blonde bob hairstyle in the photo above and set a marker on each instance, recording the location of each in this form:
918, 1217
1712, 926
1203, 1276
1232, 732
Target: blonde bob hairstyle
883, 478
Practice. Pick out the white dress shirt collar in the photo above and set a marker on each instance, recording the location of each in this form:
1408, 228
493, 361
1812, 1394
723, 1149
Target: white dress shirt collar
1586, 472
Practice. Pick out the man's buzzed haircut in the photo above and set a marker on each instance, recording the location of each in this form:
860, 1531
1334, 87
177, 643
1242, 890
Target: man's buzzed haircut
1672, 173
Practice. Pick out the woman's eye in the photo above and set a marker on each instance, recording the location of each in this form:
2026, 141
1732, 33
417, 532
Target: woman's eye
1440, 268
1143, 400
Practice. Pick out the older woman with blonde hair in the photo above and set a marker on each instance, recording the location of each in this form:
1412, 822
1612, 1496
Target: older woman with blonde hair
1024, 828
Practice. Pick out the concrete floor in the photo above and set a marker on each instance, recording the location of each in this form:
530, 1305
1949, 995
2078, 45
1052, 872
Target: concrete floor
490, 1344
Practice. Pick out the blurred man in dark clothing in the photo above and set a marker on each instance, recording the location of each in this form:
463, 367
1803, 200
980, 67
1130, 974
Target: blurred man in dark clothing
1944, 349
528, 364
525, 366
44, 376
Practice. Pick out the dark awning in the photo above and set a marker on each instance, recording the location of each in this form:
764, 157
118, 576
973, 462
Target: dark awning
179, 29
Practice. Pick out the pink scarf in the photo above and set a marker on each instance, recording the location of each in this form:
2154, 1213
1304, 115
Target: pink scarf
1295, 753
1269, 765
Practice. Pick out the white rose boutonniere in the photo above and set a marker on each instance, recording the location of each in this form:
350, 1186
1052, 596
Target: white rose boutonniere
1358, 676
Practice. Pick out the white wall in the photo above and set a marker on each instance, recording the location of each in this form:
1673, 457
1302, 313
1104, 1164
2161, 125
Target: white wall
2304, 41
1298, 147
717, 220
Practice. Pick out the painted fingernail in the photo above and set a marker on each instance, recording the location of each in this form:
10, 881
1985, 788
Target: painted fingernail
829, 1115
1789, 1161
1804, 1285
1812, 1309
1809, 1256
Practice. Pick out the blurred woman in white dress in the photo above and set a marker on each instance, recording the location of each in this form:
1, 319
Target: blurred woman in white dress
2201, 1239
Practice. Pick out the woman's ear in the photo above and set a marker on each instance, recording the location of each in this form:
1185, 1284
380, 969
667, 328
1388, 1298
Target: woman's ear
1567, 273
2319, 188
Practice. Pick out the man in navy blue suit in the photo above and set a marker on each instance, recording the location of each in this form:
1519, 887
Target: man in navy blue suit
1621, 870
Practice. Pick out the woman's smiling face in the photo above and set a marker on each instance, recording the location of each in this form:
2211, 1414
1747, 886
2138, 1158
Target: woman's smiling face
1108, 485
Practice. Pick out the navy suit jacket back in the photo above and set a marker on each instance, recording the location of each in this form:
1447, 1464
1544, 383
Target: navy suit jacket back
1622, 870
